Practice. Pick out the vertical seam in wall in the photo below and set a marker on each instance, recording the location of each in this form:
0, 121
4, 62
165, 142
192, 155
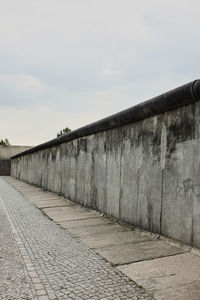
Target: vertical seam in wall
161, 204
76, 155
105, 194
93, 198
196, 137
137, 204
120, 181
61, 175
192, 229
163, 166
138, 182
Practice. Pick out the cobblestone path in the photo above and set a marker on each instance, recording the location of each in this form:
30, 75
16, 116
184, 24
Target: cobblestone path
14, 281
57, 265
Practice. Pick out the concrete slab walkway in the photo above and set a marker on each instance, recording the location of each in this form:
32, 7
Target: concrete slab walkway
152, 261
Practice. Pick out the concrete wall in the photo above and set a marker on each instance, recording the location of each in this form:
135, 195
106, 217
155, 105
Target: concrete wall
146, 172
5, 166
6, 152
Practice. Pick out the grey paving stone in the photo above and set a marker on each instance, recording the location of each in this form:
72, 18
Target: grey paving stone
173, 277
134, 252
85, 222
113, 239
98, 230
60, 214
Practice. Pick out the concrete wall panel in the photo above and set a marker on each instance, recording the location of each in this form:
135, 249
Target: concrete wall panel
178, 178
196, 186
131, 162
150, 175
113, 160
100, 171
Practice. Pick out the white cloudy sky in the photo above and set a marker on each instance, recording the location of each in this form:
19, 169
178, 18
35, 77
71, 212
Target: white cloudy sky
71, 62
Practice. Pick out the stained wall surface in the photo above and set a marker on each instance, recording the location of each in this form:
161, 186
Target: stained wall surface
146, 173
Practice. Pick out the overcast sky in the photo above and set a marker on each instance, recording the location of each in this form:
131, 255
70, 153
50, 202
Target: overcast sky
72, 62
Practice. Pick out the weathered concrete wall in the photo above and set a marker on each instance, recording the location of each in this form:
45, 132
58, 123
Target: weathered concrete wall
146, 172
6, 152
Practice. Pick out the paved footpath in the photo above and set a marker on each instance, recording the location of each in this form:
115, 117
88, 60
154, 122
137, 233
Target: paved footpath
15, 282
41, 260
